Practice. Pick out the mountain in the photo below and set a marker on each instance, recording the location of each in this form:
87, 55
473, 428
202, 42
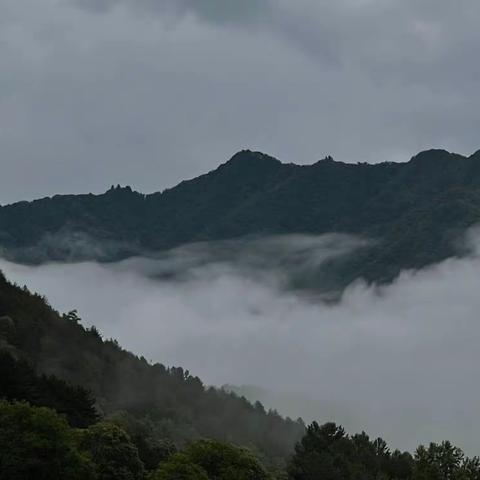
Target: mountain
414, 213
165, 403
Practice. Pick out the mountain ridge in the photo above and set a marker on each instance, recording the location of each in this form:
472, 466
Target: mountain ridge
415, 211
236, 159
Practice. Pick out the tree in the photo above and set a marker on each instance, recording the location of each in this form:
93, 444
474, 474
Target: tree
218, 461
399, 465
36, 443
223, 461
111, 450
327, 452
444, 461
322, 453
18, 381
179, 467
151, 449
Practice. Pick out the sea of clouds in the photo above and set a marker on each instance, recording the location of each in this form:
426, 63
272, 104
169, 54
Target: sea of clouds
400, 361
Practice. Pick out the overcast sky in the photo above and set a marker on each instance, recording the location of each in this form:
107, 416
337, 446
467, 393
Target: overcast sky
149, 92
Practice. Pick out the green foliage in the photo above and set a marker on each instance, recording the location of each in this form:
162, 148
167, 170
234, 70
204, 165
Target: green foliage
212, 460
18, 381
444, 461
114, 455
179, 467
152, 450
224, 461
36, 443
327, 452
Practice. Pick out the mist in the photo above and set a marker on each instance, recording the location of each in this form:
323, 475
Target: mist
399, 361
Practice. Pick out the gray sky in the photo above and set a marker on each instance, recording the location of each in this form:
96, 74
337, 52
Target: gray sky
149, 92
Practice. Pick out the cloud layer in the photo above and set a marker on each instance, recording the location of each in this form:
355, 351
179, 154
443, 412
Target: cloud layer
149, 92
399, 361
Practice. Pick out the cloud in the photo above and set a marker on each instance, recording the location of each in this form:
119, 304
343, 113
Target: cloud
397, 361
70, 246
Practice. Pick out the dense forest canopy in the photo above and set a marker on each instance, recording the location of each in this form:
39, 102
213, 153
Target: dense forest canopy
413, 212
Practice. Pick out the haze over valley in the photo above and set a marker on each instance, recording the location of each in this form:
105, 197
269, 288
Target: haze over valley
381, 358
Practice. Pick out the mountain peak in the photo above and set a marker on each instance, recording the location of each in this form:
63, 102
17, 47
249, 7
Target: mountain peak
119, 190
433, 155
251, 158
328, 159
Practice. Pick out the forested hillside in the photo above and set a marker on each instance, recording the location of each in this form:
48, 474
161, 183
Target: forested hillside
161, 402
78, 407
414, 212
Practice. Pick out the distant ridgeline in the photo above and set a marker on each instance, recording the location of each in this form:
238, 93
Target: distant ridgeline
414, 211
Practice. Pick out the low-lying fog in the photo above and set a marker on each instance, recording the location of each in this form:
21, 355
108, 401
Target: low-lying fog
399, 361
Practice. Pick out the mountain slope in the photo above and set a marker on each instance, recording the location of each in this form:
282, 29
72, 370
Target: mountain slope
172, 403
414, 211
